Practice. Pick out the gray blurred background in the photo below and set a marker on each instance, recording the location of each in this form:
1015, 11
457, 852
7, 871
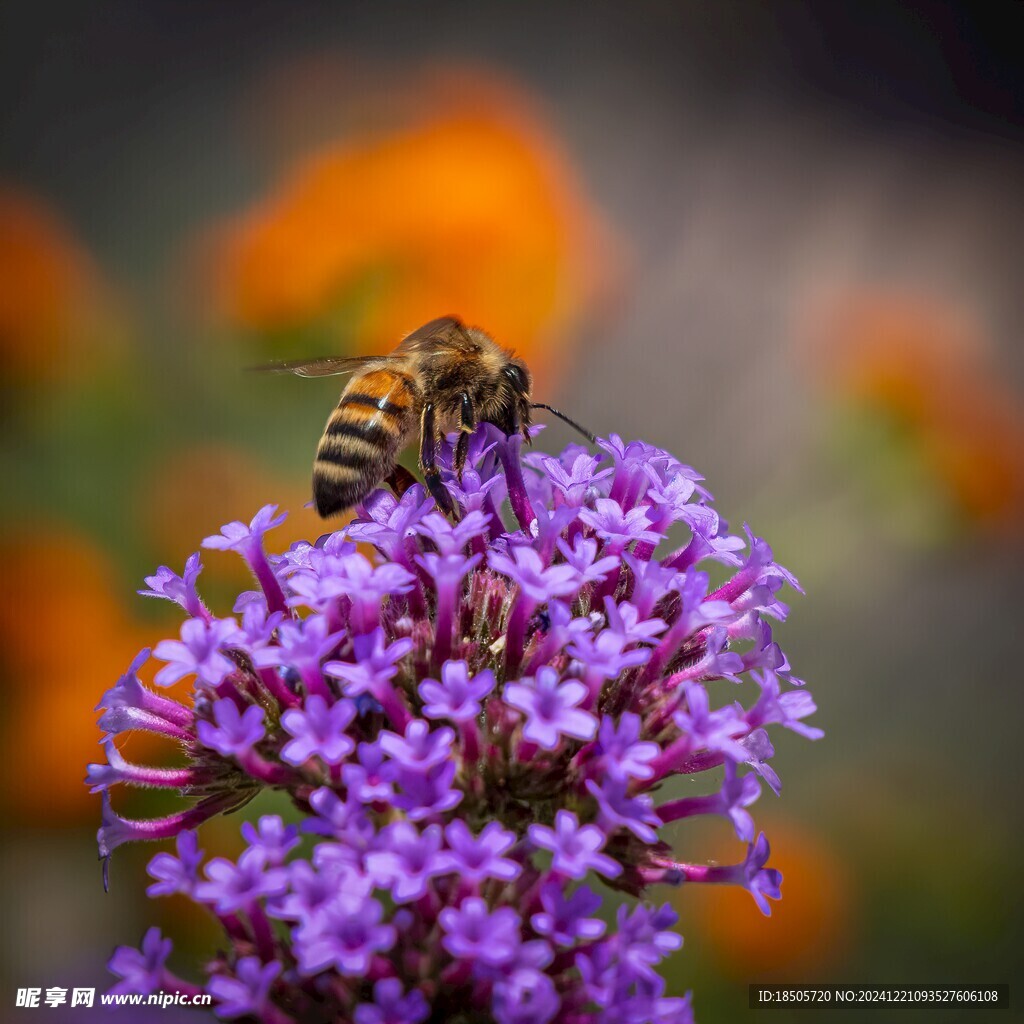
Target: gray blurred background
782, 240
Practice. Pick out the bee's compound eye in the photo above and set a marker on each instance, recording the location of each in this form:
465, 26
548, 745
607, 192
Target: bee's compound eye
517, 376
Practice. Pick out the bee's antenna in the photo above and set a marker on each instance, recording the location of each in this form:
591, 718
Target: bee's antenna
565, 419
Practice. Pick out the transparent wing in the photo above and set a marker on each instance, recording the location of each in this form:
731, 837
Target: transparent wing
444, 331
325, 366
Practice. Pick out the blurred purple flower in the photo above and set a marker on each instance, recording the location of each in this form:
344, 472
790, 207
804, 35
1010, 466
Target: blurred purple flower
141, 970
420, 748
425, 792
456, 697
344, 936
474, 859
232, 886
404, 859
318, 729
245, 994
525, 996
391, 1005
564, 918
232, 732
176, 874
474, 932
621, 752
271, 837
371, 779
617, 807
576, 848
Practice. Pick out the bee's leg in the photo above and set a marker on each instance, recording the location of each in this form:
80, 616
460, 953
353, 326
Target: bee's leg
519, 417
428, 460
467, 424
514, 420
399, 480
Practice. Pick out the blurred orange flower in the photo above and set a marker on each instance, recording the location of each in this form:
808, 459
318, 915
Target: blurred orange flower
925, 367
469, 208
809, 930
50, 293
65, 638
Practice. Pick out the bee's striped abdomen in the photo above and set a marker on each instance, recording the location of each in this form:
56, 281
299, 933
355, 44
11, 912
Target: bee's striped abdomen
363, 437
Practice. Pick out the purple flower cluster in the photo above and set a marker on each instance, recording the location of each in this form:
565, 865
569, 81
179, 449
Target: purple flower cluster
476, 722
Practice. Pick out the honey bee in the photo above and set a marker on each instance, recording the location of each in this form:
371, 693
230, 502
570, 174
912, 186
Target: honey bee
443, 377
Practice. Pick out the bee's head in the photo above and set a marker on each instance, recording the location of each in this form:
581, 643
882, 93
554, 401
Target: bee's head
518, 377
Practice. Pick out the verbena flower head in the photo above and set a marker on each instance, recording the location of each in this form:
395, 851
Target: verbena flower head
477, 722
